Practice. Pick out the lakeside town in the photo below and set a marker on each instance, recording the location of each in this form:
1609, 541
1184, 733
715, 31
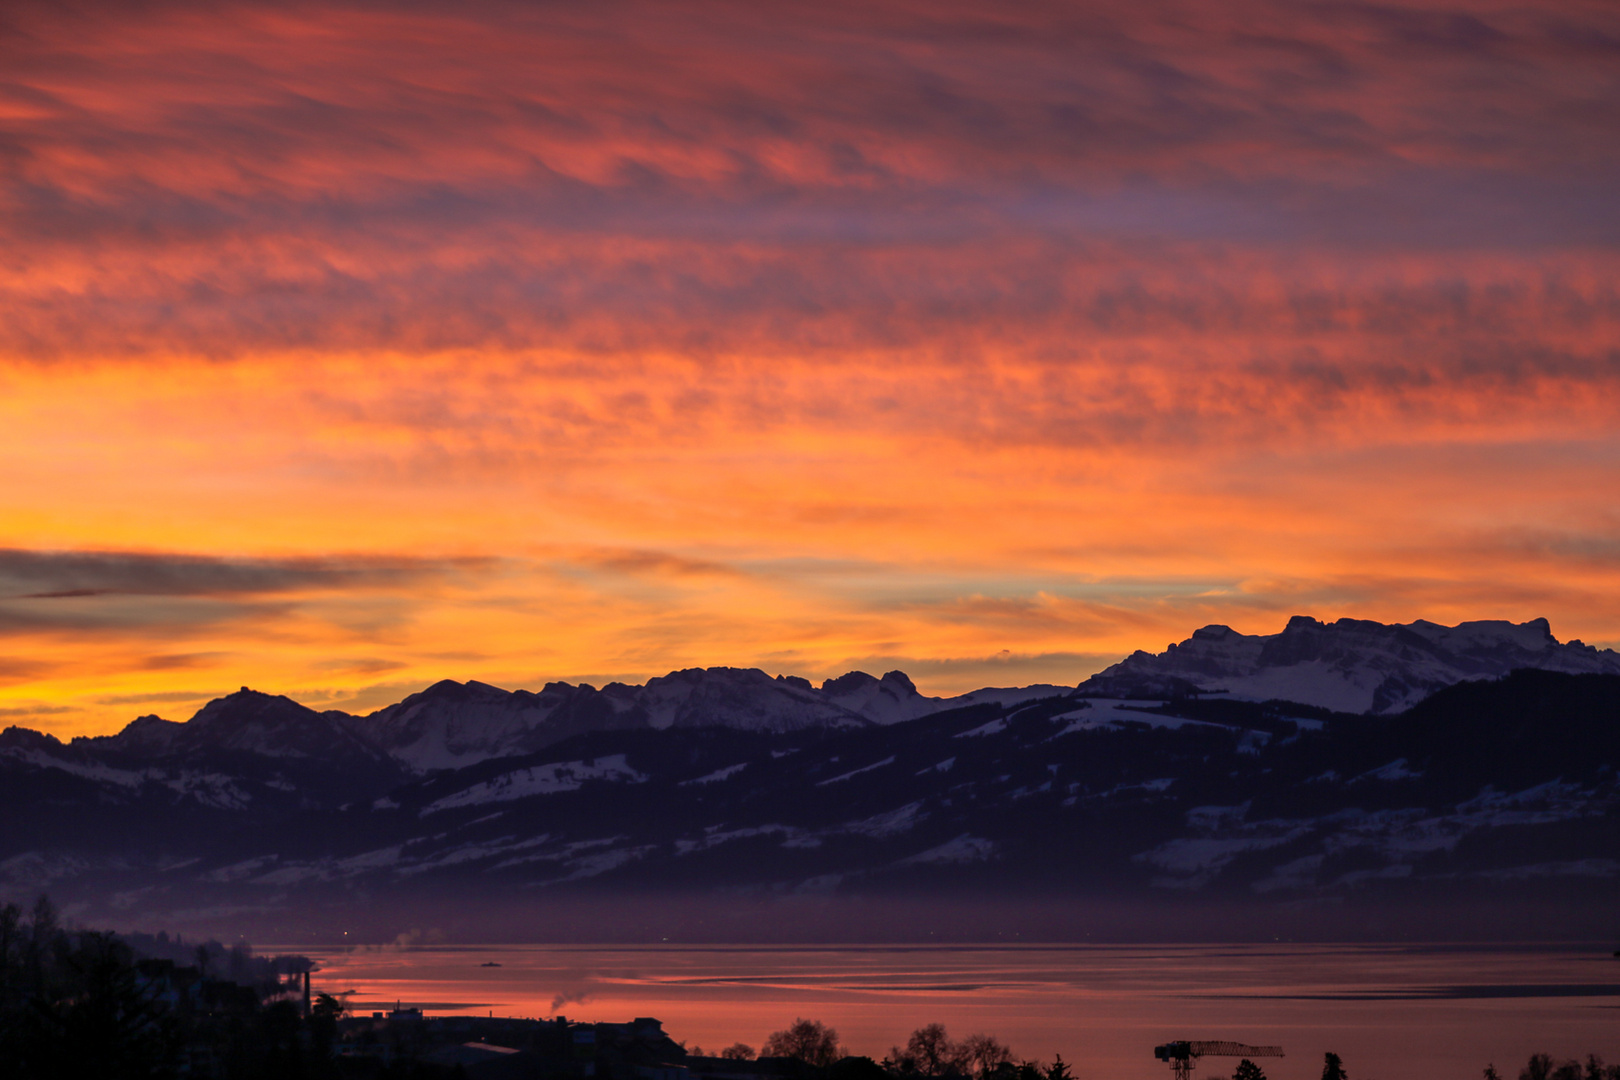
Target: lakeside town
87, 1003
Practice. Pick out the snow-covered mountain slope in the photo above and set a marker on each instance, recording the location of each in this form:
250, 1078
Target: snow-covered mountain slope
1351, 665
744, 698
894, 698
245, 751
1498, 791
1006, 696
452, 724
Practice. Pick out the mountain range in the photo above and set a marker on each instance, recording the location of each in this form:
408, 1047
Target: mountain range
1348, 666
1351, 665
1480, 763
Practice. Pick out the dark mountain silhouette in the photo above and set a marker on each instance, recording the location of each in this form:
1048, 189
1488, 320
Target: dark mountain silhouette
251, 722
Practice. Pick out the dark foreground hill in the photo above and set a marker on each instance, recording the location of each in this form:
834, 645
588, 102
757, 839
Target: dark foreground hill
1491, 809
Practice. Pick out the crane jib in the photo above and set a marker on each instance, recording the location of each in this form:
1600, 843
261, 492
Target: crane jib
1190, 1050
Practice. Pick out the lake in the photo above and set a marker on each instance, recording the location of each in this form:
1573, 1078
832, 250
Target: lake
1392, 1012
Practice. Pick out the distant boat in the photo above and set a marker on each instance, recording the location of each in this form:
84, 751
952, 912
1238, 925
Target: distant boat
491, 963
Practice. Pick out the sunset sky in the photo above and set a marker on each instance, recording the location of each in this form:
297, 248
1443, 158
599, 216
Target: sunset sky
345, 347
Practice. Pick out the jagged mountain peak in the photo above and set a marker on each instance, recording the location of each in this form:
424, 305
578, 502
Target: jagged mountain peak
270, 724
445, 687
1352, 665
450, 724
249, 703
899, 679
887, 700
852, 681
739, 697
449, 690
149, 734
21, 738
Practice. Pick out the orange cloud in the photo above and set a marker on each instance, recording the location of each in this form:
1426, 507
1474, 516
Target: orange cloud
346, 347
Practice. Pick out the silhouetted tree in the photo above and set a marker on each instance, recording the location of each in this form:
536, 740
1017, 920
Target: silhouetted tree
1248, 1070
929, 1052
83, 1004
1596, 1070
1542, 1067
1332, 1067
1025, 1070
44, 926
1059, 1069
982, 1055
809, 1041
10, 933
41, 942
1539, 1067
95, 1020
738, 1052
324, 1015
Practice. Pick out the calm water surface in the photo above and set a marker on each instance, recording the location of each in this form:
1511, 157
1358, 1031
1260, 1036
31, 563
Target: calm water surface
1392, 1012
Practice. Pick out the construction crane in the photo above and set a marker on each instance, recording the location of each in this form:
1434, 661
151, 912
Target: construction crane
1183, 1055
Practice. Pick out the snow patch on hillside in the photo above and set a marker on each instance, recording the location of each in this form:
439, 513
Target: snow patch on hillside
1395, 770
540, 780
965, 848
38, 759
716, 776
892, 823
856, 772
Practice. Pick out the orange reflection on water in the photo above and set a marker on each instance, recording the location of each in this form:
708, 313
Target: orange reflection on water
1392, 1012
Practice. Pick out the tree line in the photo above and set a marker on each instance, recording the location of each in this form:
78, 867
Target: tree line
1543, 1067
929, 1053
76, 1004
